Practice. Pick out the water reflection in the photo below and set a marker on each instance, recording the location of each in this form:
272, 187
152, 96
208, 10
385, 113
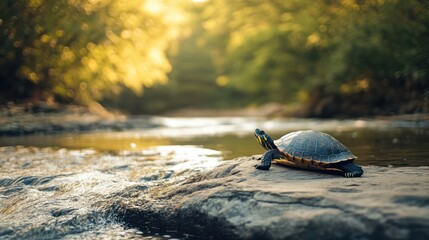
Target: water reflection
375, 142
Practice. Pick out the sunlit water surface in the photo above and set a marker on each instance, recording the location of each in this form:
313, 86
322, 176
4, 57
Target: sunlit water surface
64, 186
396, 143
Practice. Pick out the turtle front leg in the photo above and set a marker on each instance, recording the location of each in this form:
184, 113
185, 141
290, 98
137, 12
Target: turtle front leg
267, 158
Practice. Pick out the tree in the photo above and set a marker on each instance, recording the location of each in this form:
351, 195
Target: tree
362, 53
77, 50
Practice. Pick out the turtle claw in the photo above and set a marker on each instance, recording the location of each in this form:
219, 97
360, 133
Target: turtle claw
353, 174
262, 167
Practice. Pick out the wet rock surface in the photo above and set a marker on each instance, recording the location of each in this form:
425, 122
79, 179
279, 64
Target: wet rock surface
189, 193
235, 201
50, 193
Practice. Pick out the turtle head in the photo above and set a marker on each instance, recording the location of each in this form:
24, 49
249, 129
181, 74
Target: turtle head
265, 140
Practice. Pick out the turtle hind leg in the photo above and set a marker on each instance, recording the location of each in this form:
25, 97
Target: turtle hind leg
350, 169
267, 158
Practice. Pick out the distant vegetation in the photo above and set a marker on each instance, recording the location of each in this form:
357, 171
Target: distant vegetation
333, 58
80, 50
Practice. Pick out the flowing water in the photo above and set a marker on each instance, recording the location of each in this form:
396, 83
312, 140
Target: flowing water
66, 185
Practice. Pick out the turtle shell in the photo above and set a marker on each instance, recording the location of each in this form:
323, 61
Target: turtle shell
313, 148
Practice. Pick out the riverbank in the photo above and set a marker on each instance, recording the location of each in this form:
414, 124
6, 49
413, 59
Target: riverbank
43, 118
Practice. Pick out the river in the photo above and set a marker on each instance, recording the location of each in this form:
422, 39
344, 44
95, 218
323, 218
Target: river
64, 185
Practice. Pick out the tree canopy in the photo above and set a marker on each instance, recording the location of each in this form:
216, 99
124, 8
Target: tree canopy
79, 49
331, 56
286, 50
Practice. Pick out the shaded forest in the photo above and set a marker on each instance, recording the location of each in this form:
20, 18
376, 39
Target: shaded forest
343, 58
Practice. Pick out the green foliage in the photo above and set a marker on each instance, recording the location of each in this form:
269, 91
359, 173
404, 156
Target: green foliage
79, 50
286, 50
335, 56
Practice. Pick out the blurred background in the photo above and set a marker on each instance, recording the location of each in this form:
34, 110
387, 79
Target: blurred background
327, 58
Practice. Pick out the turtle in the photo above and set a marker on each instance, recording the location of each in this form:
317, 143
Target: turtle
310, 150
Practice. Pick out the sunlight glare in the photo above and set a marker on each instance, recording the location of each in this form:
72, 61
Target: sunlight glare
153, 6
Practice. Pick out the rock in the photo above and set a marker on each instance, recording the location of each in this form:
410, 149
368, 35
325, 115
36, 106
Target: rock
235, 201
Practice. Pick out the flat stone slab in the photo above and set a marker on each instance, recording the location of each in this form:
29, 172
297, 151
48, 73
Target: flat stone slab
235, 201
